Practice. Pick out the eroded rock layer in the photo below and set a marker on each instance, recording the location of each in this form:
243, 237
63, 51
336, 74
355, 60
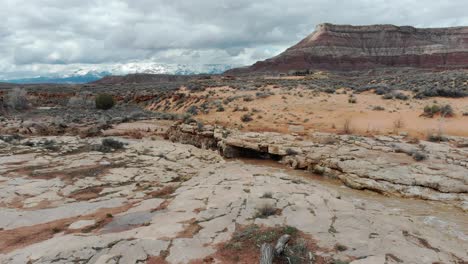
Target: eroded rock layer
383, 164
346, 47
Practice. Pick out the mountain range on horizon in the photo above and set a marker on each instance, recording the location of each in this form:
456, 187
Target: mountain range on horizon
93, 73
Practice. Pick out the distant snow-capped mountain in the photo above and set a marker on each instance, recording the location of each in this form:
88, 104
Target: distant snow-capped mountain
90, 73
66, 78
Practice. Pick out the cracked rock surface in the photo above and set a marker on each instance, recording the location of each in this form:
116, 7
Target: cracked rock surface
71, 204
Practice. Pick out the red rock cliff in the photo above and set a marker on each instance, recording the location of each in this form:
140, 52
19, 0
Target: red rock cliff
346, 47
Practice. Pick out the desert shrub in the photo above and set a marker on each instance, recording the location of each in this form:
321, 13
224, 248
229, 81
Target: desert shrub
267, 195
419, 156
17, 99
352, 100
104, 101
108, 145
187, 119
378, 88
265, 211
438, 137
445, 110
246, 118
248, 98
167, 116
292, 152
80, 101
398, 123
387, 96
341, 247
263, 94
329, 90
381, 91
430, 111
378, 108
193, 110
112, 143
29, 144
319, 170
220, 109
50, 145
347, 127
11, 138
401, 96
442, 92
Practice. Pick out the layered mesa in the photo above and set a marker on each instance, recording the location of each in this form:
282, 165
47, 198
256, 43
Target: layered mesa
345, 47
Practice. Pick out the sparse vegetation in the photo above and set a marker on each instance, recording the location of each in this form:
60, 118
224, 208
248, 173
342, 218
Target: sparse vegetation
193, 110
265, 211
248, 98
80, 101
267, 195
378, 108
112, 143
104, 101
246, 118
164, 192
401, 96
50, 145
347, 126
319, 170
263, 94
444, 110
398, 124
17, 99
341, 247
246, 241
220, 109
387, 96
11, 138
109, 145
436, 137
419, 156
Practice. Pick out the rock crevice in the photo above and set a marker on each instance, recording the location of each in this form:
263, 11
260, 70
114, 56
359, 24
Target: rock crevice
359, 162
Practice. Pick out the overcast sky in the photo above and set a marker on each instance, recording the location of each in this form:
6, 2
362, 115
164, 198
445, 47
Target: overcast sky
41, 34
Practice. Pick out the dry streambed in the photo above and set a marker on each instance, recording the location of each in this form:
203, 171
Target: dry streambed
154, 201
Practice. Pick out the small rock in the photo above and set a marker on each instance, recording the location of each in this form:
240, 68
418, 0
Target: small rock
81, 224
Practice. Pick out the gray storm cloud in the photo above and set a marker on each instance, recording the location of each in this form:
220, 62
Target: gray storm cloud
57, 32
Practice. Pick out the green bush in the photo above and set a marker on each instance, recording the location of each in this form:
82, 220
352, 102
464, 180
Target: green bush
387, 96
352, 100
378, 108
193, 110
401, 96
445, 110
104, 101
246, 118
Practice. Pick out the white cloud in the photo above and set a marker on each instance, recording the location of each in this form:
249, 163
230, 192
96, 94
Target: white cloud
48, 32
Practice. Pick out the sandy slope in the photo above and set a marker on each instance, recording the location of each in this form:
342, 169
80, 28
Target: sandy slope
329, 112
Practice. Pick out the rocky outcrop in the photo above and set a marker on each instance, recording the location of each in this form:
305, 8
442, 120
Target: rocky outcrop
346, 47
383, 164
160, 202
